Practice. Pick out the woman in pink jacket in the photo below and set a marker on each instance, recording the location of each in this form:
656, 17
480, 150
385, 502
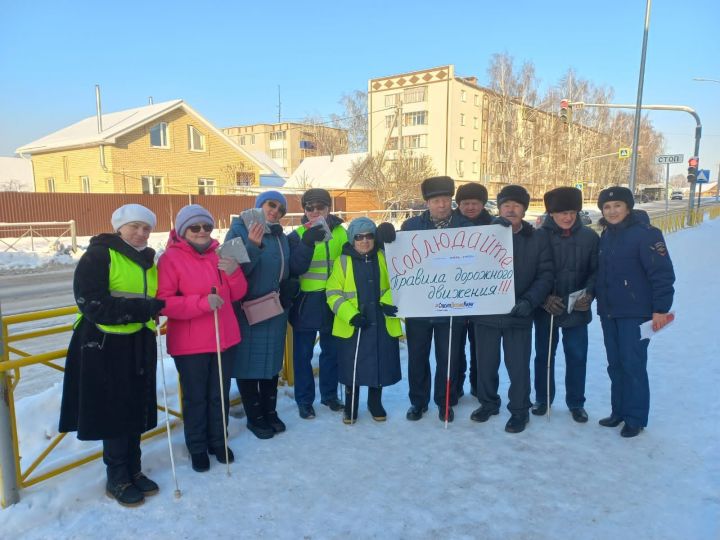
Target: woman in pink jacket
194, 282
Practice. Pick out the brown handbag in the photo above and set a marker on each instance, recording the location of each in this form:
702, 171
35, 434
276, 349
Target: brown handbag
268, 305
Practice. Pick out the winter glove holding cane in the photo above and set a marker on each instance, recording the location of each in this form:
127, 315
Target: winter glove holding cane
385, 233
583, 303
215, 301
389, 310
312, 235
359, 321
554, 305
521, 309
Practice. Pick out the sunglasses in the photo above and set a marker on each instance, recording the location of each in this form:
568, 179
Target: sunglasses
276, 206
313, 207
196, 228
364, 236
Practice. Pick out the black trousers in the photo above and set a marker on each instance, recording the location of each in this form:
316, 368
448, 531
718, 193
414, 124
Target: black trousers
516, 346
420, 335
202, 411
121, 456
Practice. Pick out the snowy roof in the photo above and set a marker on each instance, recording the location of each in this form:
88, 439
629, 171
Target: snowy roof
329, 172
16, 174
84, 133
269, 164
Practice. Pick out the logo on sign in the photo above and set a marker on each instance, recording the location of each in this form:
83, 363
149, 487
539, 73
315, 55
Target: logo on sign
624, 153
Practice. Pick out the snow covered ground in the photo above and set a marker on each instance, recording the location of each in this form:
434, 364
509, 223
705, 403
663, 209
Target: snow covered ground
400, 479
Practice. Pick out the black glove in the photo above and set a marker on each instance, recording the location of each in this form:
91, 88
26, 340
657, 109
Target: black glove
389, 310
554, 305
502, 221
359, 321
385, 233
521, 309
289, 289
583, 303
312, 235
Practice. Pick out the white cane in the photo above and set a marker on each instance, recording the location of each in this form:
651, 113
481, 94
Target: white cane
547, 396
222, 388
447, 379
352, 400
167, 414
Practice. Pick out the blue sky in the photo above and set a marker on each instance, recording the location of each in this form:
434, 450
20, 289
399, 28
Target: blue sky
226, 59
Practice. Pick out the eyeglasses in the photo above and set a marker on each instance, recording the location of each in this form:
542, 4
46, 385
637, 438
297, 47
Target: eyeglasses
312, 207
274, 205
364, 236
196, 228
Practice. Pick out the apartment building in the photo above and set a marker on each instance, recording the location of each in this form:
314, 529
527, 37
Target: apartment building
289, 143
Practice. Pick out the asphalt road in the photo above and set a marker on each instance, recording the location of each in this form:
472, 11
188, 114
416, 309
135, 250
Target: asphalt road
35, 291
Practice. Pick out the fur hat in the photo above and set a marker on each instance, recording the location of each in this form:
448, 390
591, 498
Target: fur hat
514, 193
437, 186
316, 195
563, 199
192, 214
132, 212
360, 225
473, 190
271, 196
616, 193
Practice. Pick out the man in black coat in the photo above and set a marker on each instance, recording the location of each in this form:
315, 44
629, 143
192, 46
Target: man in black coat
471, 199
533, 274
420, 331
575, 260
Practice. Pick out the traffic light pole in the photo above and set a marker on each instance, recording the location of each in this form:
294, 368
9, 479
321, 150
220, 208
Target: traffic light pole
682, 108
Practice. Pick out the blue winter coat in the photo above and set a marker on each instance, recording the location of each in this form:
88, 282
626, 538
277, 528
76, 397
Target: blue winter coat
533, 273
260, 353
309, 310
575, 262
635, 274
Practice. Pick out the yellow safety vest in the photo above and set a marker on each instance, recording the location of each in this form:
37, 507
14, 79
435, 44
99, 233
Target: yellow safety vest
342, 297
129, 280
323, 256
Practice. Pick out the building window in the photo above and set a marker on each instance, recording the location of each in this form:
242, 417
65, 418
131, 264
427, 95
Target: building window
415, 95
476, 100
279, 153
475, 167
196, 139
242, 139
392, 143
206, 186
159, 135
390, 121
417, 118
462, 119
415, 141
278, 135
152, 185
244, 179
475, 122
475, 144
50, 184
392, 99
252, 138
85, 184
462, 143
461, 167
463, 95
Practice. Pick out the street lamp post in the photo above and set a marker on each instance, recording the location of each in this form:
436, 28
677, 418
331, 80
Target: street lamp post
717, 185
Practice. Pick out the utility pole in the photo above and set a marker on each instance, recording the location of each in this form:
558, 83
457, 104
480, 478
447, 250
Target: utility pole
399, 124
279, 104
8, 476
638, 106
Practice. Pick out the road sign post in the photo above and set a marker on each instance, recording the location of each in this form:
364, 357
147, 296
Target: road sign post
668, 159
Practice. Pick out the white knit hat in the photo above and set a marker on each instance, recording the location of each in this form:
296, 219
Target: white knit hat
132, 212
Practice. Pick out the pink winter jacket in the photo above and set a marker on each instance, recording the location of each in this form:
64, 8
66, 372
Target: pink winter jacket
185, 278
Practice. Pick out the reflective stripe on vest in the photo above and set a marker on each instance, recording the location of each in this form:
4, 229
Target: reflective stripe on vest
323, 256
128, 280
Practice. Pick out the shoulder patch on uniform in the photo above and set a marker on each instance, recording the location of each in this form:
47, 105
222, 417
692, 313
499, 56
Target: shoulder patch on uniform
660, 248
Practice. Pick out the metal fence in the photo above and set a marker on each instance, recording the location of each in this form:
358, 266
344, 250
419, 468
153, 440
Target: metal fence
12, 234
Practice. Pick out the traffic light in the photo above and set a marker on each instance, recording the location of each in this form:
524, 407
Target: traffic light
692, 169
564, 111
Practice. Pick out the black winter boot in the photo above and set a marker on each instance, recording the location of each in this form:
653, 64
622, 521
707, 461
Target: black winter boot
268, 400
219, 454
144, 484
200, 462
374, 403
256, 422
349, 404
124, 492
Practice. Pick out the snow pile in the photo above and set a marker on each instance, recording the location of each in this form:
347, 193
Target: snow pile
323, 479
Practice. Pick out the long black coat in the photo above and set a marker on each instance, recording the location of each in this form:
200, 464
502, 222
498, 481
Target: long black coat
575, 261
109, 384
533, 272
379, 353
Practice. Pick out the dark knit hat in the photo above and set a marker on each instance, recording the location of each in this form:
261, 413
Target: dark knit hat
563, 199
514, 193
437, 186
616, 193
473, 190
316, 195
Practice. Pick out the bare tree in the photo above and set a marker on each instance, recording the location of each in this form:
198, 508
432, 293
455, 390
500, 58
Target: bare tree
354, 120
12, 185
329, 140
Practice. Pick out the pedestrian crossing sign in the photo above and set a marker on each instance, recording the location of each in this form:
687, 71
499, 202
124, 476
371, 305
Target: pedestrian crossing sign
579, 185
624, 153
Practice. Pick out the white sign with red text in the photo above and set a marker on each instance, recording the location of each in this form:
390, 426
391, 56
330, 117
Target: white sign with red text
452, 272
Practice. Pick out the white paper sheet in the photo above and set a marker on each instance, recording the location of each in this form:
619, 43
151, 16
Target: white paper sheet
572, 298
646, 329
